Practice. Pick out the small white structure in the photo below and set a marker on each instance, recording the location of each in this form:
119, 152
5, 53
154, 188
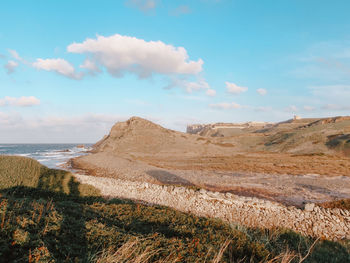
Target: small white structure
296, 117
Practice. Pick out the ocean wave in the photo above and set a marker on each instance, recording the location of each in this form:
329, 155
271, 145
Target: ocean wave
60, 163
43, 160
23, 154
50, 155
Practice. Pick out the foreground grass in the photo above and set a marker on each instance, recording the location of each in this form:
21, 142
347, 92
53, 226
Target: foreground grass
21, 171
45, 222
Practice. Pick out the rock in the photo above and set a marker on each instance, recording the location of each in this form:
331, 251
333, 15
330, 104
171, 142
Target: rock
309, 207
228, 195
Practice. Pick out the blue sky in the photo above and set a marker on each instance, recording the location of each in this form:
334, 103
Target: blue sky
72, 68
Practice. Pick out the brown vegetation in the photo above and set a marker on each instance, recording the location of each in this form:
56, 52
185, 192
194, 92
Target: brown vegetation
269, 163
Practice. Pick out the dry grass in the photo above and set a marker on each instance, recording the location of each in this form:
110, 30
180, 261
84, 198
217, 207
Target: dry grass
342, 204
133, 252
46, 225
269, 163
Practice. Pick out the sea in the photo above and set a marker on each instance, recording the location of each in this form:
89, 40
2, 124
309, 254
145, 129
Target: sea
50, 155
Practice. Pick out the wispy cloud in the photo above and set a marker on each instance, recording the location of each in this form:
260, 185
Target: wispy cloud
226, 106
327, 61
262, 92
20, 101
191, 86
143, 5
15, 54
10, 66
232, 88
58, 65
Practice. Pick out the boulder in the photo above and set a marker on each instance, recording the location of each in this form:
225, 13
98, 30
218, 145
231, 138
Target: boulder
309, 207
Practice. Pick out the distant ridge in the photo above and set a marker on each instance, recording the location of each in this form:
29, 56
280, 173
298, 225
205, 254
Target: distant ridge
141, 137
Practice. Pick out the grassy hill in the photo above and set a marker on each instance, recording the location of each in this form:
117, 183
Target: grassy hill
323, 136
47, 216
301, 136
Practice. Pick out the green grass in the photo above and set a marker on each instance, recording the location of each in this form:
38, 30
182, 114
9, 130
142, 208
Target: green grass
340, 142
41, 221
21, 171
314, 137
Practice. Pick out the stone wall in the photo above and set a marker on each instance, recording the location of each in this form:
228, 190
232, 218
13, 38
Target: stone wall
198, 128
314, 221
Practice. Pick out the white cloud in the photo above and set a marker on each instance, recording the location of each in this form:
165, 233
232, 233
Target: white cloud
195, 86
211, 92
20, 102
142, 5
90, 66
262, 92
15, 54
225, 106
191, 86
234, 89
11, 66
120, 54
59, 66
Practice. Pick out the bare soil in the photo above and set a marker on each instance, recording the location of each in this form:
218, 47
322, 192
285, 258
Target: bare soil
251, 177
